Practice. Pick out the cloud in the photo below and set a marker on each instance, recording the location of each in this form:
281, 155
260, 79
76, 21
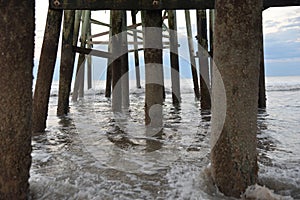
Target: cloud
275, 19
282, 41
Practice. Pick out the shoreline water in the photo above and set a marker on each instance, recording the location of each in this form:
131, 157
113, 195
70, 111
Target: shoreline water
77, 157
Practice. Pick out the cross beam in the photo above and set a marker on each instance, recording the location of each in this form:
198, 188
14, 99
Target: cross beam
151, 4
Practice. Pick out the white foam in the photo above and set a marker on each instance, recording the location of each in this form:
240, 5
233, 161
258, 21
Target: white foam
258, 192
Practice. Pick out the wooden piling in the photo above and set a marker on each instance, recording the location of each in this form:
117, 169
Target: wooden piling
81, 72
77, 21
124, 62
66, 64
78, 90
192, 54
237, 44
89, 71
117, 61
262, 82
17, 50
89, 57
136, 52
211, 41
175, 78
153, 68
203, 59
211, 32
109, 63
46, 70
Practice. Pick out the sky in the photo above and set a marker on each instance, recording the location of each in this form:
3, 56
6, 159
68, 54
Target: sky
281, 28
282, 41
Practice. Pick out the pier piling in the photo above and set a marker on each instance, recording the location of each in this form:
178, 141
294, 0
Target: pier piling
116, 64
203, 60
192, 54
136, 52
153, 68
16, 58
262, 81
124, 62
46, 70
66, 65
78, 90
237, 44
109, 62
175, 78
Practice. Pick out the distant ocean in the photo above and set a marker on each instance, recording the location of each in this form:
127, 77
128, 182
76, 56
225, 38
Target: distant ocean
93, 154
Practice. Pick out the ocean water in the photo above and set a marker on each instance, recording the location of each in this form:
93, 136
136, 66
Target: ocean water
94, 154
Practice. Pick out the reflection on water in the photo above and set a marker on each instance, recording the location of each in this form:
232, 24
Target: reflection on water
94, 154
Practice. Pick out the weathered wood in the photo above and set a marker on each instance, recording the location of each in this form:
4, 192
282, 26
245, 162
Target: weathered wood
81, 72
211, 32
203, 59
133, 27
211, 39
17, 50
93, 52
89, 57
175, 78
192, 53
136, 52
280, 3
117, 61
130, 4
46, 70
153, 68
262, 82
237, 44
124, 63
129, 43
89, 72
152, 5
77, 21
109, 63
93, 21
66, 64
79, 79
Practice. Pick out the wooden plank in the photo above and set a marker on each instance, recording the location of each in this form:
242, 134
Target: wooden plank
130, 4
280, 3
129, 43
151, 4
